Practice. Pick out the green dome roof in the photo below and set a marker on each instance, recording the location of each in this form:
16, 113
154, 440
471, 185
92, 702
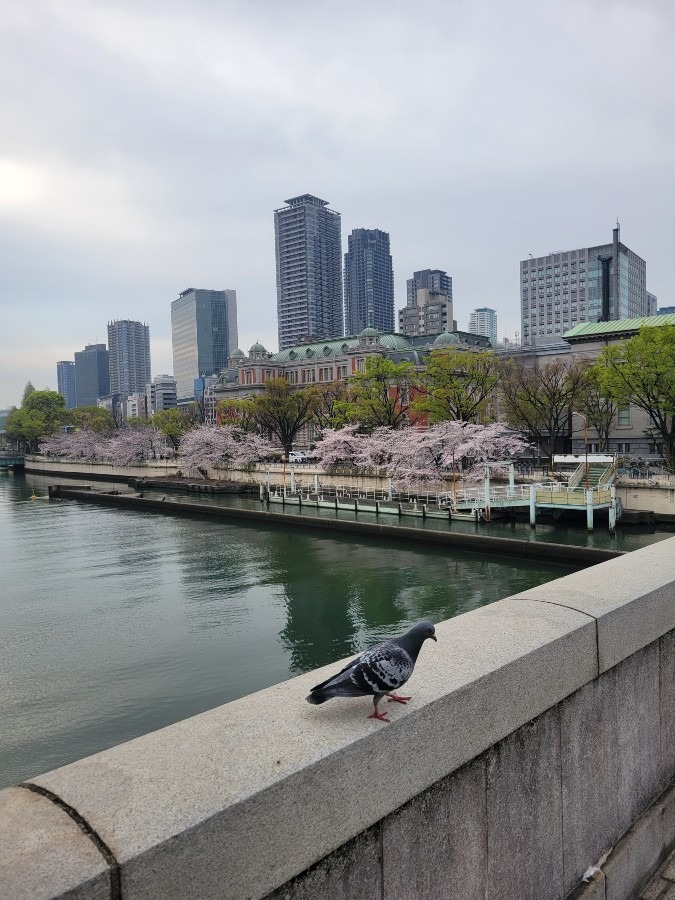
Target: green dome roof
257, 348
369, 332
445, 339
237, 354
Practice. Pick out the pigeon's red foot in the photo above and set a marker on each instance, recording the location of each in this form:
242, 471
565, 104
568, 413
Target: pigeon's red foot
397, 698
376, 714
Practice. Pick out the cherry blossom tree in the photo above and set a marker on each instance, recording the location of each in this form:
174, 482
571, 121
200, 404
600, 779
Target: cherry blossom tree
129, 446
85, 444
220, 446
414, 457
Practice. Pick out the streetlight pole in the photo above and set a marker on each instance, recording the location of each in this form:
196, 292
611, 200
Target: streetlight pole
582, 416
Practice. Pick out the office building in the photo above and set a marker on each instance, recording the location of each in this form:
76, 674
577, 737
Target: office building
65, 380
135, 406
593, 284
369, 282
434, 280
92, 374
484, 321
129, 348
203, 334
308, 248
652, 304
429, 304
161, 394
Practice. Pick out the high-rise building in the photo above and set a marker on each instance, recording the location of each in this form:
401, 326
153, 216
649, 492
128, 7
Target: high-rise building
129, 348
92, 374
429, 304
161, 394
369, 282
592, 284
652, 304
65, 379
308, 247
435, 280
484, 321
203, 334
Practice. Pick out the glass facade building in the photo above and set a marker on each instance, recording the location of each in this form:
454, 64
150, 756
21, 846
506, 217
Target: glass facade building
65, 380
308, 247
203, 335
593, 284
369, 282
129, 349
92, 374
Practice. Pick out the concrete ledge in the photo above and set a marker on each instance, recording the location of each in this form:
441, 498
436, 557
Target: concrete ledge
632, 599
44, 854
214, 800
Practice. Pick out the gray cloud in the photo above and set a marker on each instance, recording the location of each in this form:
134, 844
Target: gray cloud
145, 146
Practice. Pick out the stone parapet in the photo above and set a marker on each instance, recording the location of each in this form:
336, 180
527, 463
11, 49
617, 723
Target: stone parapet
540, 730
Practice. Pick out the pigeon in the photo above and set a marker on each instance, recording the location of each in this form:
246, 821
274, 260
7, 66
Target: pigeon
378, 672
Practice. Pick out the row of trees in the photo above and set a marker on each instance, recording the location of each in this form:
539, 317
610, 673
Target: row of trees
535, 400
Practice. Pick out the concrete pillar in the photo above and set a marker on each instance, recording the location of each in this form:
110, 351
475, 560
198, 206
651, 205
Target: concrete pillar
292, 480
512, 479
316, 484
533, 505
612, 510
589, 510
389, 489
377, 507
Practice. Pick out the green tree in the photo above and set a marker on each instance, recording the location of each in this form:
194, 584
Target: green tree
172, 423
327, 398
27, 391
94, 418
379, 396
538, 400
457, 385
281, 411
641, 372
51, 406
598, 407
26, 427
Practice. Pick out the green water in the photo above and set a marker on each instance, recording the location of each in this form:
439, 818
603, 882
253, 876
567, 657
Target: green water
115, 623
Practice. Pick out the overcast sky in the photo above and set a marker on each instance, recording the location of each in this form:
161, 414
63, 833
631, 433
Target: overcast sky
144, 146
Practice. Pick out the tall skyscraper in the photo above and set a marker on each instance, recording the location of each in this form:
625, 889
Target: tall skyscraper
484, 321
65, 378
129, 348
429, 307
593, 284
369, 281
92, 374
308, 247
203, 334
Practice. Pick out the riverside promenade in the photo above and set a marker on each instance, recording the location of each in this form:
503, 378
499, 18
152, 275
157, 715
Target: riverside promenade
536, 761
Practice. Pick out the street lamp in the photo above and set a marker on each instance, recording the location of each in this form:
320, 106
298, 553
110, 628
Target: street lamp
582, 416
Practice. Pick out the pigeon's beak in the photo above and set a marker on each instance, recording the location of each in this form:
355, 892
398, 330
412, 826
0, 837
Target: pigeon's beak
433, 637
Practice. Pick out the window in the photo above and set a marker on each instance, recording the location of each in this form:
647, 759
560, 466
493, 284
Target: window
360, 365
623, 448
655, 449
623, 415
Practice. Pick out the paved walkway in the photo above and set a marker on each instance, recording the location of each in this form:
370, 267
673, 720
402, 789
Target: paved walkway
662, 885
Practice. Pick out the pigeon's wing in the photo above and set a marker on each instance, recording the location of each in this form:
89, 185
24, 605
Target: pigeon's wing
349, 666
382, 669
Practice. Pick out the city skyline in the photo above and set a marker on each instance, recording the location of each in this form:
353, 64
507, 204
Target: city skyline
124, 178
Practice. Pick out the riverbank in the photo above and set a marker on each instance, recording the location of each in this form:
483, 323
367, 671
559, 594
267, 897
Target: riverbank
569, 554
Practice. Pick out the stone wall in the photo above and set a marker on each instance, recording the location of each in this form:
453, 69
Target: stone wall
541, 728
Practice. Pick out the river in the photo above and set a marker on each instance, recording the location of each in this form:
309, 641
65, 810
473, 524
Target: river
114, 623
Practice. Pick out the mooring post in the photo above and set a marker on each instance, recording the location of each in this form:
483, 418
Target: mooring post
589, 509
533, 505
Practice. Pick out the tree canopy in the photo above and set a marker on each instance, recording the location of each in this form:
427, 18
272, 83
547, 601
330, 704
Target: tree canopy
379, 396
457, 385
641, 372
538, 400
281, 411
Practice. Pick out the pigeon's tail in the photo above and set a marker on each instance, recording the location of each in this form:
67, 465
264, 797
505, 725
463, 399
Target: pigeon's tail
334, 688
317, 698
